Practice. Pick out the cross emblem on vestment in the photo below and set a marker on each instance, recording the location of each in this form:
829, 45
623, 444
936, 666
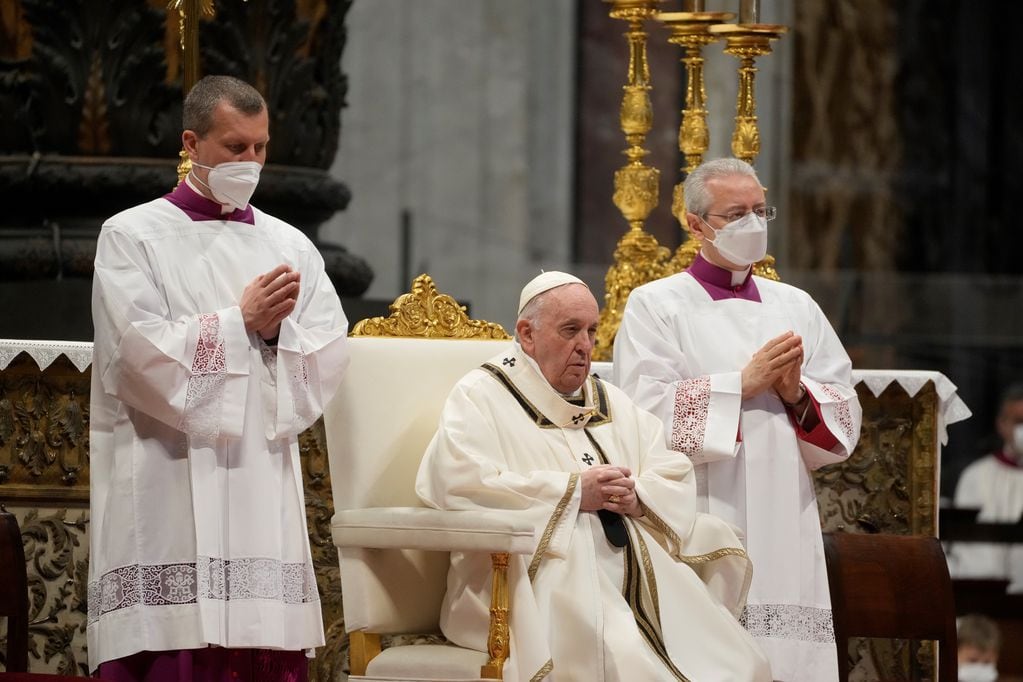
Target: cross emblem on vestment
579, 417
588, 458
510, 362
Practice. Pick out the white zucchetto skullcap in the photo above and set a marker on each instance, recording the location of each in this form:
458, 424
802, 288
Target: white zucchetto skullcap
545, 281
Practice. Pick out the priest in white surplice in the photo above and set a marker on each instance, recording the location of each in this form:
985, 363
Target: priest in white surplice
754, 386
994, 485
218, 339
627, 581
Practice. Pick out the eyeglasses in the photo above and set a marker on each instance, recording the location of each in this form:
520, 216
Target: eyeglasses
765, 212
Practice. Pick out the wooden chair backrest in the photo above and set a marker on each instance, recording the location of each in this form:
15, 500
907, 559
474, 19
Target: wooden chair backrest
891, 586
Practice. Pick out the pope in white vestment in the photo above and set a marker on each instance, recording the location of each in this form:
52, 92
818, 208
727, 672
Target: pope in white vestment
680, 352
198, 531
662, 606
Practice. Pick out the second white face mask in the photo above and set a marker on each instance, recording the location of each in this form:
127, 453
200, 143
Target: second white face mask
977, 672
1017, 439
742, 241
232, 183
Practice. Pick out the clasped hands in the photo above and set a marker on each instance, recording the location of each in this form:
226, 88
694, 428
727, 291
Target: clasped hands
605, 486
777, 365
268, 299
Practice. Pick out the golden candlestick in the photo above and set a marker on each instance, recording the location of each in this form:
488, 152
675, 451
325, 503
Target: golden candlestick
638, 257
189, 12
747, 42
691, 32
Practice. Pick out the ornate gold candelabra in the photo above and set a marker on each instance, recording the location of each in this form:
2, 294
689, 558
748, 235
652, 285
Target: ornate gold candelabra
189, 12
638, 256
691, 32
747, 42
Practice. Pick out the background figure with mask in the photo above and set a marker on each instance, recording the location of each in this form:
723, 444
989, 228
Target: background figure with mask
753, 385
994, 485
218, 339
979, 643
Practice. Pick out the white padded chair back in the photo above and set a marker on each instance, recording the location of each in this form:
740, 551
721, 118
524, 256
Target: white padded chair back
377, 427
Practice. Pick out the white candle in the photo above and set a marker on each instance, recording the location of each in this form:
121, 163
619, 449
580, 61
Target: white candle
749, 11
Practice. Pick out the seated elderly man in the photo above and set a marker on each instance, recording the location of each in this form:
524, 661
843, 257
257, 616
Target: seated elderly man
627, 581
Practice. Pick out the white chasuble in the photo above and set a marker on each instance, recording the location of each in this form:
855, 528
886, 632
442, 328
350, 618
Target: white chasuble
663, 607
679, 353
198, 531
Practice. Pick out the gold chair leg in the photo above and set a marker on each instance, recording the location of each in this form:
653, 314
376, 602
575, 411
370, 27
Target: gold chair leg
498, 639
363, 647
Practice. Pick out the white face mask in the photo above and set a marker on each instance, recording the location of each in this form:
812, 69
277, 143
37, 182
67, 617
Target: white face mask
977, 672
742, 241
1017, 439
231, 183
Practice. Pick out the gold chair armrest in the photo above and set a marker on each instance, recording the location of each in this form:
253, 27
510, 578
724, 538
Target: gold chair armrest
363, 647
498, 639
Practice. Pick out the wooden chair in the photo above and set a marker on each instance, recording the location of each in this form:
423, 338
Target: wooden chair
13, 592
891, 586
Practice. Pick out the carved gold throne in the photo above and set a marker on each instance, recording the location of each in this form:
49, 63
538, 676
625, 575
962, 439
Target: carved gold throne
394, 553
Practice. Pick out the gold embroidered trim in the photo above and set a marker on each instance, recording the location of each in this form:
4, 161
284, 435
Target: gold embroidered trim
661, 525
548, 532
532, 410
543, 672
648, 568
714, 556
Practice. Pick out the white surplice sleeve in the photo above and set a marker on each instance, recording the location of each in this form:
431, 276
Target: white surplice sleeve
650, 365
827, 376
191, 372
312, 354
467, 466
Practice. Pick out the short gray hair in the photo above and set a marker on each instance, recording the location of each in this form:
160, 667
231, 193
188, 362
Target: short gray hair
203, 98
978, 631
694, 189
1013, 393
532, 311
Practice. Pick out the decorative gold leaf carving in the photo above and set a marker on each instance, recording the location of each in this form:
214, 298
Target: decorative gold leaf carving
426, 313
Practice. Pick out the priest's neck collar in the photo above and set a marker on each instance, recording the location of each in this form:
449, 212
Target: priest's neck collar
720, 283
1008, 459
200, 208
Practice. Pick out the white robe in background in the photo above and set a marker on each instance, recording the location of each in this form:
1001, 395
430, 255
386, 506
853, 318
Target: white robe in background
507, 441
679, 353
996, 489
198, 530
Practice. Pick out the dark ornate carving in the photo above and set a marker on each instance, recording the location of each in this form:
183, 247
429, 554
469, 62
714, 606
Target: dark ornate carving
291, 54
56, 553
92, 117
97, 79
44, 431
